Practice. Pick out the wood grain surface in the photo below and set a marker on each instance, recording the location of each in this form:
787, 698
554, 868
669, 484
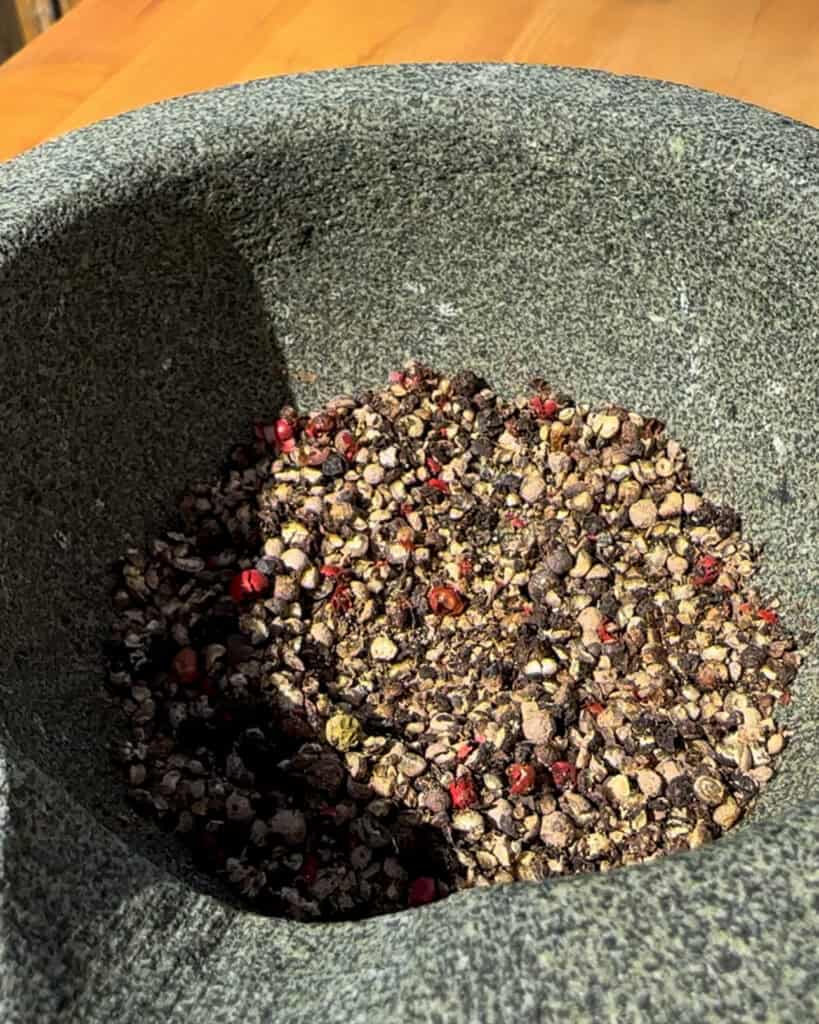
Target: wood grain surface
106, 56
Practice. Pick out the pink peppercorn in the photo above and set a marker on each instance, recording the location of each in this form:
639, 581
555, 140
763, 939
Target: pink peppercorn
563, 773
321, 423
521, 778
544, 408
309, 868
708, 570
284, 430
445, 601
422, 890
463, 793
186, 665
246, 584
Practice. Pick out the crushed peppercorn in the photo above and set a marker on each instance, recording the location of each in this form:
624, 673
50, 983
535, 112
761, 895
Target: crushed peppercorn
425, 638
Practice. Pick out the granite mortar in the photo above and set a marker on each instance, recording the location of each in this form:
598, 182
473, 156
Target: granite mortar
170, 274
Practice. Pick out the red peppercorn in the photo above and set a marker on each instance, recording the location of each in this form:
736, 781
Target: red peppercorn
284, 430
421, 891
463, 792
516, 521
464, 751
405, 537
603, 633
332, 570
321, 423
594, 708
521, 778
209, 688
396, 377
465, 568
316, 456
564, 773
707, 568
437, 484
433, 465
344, 441
340, 599
785, 697
186, 665
768, 615
309, 868
445, 601
544, 408
246, 584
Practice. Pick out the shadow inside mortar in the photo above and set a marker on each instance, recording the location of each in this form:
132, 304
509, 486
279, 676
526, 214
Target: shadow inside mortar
244, 774
136, 349
291, 854
129, 338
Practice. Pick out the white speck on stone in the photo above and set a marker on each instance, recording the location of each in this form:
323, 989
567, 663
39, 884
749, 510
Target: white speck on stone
447, 310
676, 146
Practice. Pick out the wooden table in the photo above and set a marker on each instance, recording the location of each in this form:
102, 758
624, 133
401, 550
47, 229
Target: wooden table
107, 56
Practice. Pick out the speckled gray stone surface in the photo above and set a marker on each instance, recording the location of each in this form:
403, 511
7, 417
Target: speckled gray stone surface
167, 275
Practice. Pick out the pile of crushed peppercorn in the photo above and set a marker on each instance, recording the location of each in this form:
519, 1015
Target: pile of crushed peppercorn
426, 639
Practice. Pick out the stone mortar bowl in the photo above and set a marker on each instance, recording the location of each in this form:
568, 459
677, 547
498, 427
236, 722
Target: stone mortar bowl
170, 274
